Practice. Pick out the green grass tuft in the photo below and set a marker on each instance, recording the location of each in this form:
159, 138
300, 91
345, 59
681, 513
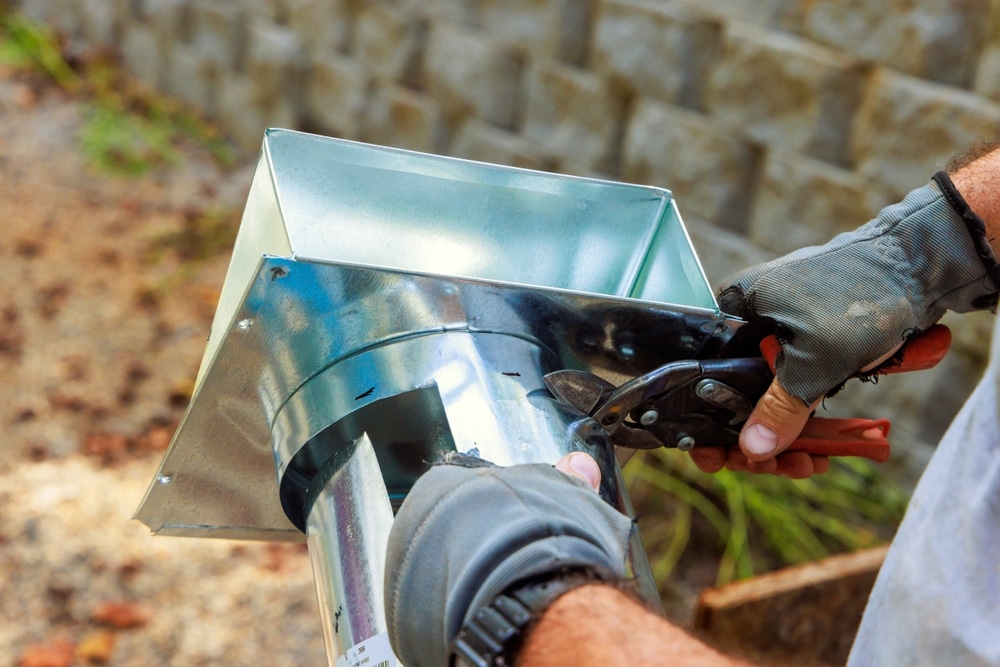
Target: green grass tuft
28, 44
128, 130
126, 143
753, 523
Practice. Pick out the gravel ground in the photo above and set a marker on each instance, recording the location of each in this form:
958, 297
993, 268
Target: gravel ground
103, 319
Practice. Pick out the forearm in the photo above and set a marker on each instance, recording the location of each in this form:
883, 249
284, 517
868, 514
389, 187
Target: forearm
599, 625
976, 175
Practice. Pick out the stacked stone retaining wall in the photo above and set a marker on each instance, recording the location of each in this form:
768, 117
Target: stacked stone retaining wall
776, 123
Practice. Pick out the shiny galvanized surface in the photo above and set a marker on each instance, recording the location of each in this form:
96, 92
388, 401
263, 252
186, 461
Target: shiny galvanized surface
491, 397
342, 201
348, 530
598, 276
221, 467
493, 404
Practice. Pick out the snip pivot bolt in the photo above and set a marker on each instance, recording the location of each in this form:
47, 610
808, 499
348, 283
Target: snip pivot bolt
684, 442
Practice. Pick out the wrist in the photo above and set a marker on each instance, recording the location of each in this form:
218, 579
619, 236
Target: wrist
974, 224
974, 174
934, 243
600, 624
495, 633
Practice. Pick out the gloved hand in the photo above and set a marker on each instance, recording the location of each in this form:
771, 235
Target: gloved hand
469, 530
842, 307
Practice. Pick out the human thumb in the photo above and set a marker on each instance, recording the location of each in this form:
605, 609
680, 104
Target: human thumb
775, 423
582, 466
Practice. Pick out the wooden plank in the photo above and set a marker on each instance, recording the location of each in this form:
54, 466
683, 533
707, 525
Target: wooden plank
803, 615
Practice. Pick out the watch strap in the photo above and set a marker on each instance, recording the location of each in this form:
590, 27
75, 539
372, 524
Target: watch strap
495, 633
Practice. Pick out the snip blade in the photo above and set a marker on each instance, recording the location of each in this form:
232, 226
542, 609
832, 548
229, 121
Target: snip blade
584, 391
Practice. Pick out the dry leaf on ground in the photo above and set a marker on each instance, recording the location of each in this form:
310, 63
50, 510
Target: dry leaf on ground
120, 615
97, 646
57, 653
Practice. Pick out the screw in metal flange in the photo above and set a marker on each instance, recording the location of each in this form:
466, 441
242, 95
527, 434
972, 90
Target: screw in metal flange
244, 324
684, 442
649, 417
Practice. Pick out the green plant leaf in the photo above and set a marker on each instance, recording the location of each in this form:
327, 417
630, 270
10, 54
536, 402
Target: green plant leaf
761, 519
128, 130
32, 42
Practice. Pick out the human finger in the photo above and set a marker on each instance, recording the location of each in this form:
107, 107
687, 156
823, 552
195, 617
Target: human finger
582, 466
775, 423
708, 459
794, 464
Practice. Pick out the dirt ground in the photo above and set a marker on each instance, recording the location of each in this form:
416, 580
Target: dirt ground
103, 318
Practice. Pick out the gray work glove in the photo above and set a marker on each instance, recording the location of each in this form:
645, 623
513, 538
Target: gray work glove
469, 530
839, 307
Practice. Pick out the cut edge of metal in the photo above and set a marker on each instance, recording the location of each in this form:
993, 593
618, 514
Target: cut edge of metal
450, 158
229, 533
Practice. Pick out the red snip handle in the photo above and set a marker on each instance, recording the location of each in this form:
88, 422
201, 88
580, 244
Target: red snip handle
864, 437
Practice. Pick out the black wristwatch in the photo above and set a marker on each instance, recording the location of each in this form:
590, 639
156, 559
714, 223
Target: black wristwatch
494, 635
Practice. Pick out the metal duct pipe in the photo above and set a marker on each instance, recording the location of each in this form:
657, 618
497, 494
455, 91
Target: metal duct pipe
474, 393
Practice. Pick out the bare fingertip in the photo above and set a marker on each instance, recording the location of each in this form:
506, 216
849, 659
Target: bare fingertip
760, 440
708, 459
581, 466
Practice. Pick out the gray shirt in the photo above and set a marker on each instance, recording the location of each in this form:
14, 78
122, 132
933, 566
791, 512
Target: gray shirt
937, 597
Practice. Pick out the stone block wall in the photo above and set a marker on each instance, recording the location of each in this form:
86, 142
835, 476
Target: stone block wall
776, 123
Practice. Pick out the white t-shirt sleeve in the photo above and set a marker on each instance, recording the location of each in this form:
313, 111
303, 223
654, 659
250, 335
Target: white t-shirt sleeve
937, 597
